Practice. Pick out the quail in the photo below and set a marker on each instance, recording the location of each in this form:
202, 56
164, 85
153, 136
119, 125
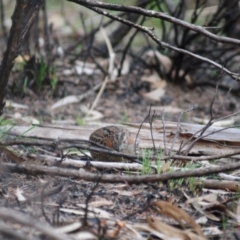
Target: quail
113, 137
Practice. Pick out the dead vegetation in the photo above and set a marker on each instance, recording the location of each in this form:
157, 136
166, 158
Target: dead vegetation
183, 182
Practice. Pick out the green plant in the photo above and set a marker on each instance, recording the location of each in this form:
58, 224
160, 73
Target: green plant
6, 125
41, 73
54, 79
128, 171
171, 184
29, 149
29, 129
24, 87
159, 160
125, 117
224, 224
80, 121
146, 163
192, 183
180, 181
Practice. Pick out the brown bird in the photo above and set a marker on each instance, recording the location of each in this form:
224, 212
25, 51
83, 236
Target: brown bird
116, 138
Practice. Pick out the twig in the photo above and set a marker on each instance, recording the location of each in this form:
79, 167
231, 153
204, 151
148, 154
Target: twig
73, 98
42, 203
112, 178
151, 118
164, 132
135, 143
88, 199
155, 14
128, 46
91, 5
178, 128
110, 70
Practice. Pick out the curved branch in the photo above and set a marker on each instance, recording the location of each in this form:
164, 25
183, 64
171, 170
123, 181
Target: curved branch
155, 14
148, 30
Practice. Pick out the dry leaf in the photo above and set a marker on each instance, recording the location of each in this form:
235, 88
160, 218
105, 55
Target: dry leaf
94, 212
177, 214
15, 105
165, 229
69, 228
101, 202
147, 228
19, 195
207, 198
126, 193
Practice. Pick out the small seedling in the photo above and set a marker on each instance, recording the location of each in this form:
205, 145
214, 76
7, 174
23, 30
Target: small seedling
6, 125
24, 87
54, 79
28, 150
80, 121
124, 117
171, 184
180, 181
192, 183
146, 163
159, 160
128, 171
41, 73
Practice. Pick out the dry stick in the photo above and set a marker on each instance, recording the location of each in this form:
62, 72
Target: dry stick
204, 136
232, 186
76, 163
132, 157
203, 130
112, 178
224, 100
68, 162
79, 98
210, 122
42, 205
135, 143
125, 50
163, 44
164, 132
155, 14
228, 116
110, 69
87, 202
8, 214
84, 146
151, 130
178, 128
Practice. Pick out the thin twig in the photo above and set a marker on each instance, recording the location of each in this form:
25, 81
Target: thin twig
110, 70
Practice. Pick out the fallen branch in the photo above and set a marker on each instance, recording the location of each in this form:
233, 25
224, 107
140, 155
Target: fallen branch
111, 178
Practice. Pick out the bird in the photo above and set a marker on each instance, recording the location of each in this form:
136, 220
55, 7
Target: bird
113, 137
